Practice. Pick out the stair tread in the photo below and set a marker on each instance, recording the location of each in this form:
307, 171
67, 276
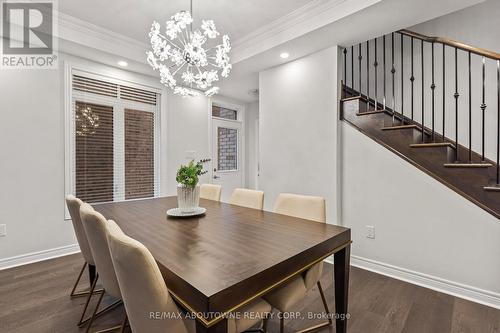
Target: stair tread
468, 182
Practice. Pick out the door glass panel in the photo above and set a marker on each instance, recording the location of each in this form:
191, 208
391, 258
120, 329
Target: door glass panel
227, 145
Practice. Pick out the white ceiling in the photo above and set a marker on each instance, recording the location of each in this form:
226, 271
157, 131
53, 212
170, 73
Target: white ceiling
261, 28
133, 18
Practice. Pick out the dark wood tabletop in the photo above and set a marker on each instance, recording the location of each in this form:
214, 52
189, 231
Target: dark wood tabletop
222, 260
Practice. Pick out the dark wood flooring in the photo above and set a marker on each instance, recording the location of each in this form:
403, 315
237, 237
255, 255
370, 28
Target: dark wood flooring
35, 298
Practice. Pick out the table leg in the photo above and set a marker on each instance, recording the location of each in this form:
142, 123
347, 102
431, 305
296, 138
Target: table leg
220, 327
341, 262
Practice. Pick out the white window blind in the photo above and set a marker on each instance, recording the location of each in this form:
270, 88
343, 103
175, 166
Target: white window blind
114, 140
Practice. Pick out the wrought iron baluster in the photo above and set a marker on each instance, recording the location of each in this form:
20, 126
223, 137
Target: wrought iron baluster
444, 93
344, 86
375, 65
402, 81
393, 71
385, 86
359, 69
367, 75
498, 124
483, 109
423, 92
352, 67
470, 108
456, 96
412, 78
433, 88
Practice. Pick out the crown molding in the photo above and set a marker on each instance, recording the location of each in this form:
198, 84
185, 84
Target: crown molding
312, 16
81, 32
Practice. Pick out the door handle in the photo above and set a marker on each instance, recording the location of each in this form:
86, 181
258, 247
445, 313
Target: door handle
216, 177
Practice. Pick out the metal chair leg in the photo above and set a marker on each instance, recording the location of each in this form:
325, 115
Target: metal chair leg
120, 327
103, 311
282, 324
95, 311
81, 321
325, 304
124, 323
75, 294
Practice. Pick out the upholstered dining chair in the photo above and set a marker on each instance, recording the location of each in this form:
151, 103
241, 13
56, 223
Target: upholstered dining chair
247, 198
96, 229
287, 295
73, 205
210, 192
144, 291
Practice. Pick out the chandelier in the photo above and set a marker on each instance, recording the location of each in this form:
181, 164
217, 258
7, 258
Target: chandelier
189, 61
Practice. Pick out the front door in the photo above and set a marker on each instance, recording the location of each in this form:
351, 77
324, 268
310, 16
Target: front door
227, 156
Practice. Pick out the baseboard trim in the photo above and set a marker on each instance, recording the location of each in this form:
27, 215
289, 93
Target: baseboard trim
467, 292
29, 258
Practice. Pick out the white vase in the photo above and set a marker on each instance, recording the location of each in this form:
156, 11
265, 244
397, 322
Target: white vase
188, 198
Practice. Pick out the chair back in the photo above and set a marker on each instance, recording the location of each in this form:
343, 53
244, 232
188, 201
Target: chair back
210, 192
247, 198
143, 288
74, 204
96, 229
301, 206
309, 208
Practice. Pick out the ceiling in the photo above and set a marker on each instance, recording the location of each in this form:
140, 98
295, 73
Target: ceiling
235, 17
260, 29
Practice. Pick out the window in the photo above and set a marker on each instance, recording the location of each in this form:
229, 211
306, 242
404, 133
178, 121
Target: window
114, 140
220, 112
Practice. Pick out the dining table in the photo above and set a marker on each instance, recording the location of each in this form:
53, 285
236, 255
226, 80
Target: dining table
218, 262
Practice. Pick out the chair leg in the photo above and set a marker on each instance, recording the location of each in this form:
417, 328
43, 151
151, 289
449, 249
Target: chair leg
282, 323
325, 304
124, 323
95, 311
81, 321
264, 324
120, 327
74, 293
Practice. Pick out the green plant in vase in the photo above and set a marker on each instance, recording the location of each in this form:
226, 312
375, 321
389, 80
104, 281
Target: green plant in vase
188, 190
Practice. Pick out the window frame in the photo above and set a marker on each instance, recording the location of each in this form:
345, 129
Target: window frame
119, 106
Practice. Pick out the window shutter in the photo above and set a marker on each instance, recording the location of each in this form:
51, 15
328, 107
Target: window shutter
94, 161
89, 85
114, 140
138, 95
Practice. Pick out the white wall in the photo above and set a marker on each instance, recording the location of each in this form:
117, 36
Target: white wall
477, 26
251, 130
420, 224
187, 131
298, 121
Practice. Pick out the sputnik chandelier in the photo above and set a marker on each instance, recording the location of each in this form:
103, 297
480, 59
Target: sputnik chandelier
189, 61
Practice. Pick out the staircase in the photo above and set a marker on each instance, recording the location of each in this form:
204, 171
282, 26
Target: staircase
425, 99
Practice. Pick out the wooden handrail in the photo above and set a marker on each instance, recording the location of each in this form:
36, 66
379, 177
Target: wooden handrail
452, 43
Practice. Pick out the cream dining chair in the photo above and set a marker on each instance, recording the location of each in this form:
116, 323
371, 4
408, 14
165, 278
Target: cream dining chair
73, 205
247, 198
210, 192
144, 291
96, 229
284, 297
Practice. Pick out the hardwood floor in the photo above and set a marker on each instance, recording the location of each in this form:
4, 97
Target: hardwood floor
35, 298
